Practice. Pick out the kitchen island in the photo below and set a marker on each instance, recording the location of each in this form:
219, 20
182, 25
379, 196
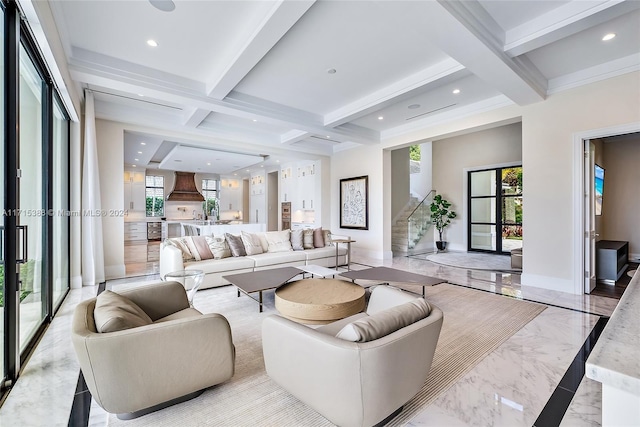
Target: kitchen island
206, 228
614, 361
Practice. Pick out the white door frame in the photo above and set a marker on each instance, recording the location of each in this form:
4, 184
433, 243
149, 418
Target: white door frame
579, 267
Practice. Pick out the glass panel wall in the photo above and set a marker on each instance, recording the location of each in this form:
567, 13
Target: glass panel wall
60, 204
31, 216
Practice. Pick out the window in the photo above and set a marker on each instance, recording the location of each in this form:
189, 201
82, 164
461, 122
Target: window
210, 193
154, 194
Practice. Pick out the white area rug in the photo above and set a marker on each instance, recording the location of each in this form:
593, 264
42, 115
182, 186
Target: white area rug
473, 260
475, 323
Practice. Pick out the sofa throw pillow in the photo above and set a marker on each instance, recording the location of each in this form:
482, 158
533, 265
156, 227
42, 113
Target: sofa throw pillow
251, 243
279, 241
307, 239
296, 240
318, 238
114, 312
385, 322
219, 247
327, 237
179, 243
235, 244
199, 247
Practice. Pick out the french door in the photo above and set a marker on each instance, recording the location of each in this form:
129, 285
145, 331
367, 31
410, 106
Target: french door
495, 210
34, 196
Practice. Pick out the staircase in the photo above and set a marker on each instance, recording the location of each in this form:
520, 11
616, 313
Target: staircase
413, 223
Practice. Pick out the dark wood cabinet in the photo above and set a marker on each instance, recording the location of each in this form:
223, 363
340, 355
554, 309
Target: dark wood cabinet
611, 260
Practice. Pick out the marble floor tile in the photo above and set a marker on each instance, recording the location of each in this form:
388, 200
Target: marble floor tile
585, 409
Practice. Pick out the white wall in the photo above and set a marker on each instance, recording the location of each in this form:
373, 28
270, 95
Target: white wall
399, 180
454, 157
366, 160
621, 202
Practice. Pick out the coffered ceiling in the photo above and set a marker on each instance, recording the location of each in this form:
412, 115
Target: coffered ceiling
316, 77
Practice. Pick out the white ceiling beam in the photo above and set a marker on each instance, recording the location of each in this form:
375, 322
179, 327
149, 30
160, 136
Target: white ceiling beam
475, 41
278, 21
562, 22
238, 105
293, 136
395, 92
194, 116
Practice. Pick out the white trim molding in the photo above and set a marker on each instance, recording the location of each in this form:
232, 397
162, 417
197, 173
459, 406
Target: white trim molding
114, 271
578, 191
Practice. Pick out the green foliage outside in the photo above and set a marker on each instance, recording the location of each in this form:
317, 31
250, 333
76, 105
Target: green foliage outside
512, 179
210, 205
441, 215
154, 206
414, 152
27, 276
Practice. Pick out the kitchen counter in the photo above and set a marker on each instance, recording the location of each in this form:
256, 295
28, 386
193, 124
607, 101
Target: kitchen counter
614, 361
220, 229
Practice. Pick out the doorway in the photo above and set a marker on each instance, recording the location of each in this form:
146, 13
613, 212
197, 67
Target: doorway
272, 201
495, 210
583, 191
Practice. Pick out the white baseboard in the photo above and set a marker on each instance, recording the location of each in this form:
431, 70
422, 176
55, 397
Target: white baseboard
114, 271
76, 282
634, 257
546, 282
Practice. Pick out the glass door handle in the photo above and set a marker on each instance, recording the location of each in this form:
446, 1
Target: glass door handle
22, 231
2, 244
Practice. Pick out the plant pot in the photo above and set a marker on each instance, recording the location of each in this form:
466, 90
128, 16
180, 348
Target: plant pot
441, 245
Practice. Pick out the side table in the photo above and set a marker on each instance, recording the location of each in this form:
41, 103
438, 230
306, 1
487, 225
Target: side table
348, 242
190, 279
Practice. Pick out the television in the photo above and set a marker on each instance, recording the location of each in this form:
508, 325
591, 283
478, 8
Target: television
599, 187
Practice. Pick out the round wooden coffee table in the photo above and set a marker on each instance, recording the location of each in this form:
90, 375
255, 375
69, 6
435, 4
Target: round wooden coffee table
319, 301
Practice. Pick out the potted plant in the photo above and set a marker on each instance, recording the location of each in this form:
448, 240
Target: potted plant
441, 217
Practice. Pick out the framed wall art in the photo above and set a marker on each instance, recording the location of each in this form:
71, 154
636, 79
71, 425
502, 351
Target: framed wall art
354, 203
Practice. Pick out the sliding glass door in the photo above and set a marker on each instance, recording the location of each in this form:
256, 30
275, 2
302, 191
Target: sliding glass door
31, 201
34, 196
495, 210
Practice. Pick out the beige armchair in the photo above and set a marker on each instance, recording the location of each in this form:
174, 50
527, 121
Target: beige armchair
135, 371
353, 383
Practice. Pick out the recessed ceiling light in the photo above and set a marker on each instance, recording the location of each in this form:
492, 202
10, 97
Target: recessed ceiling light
235, 174
163, 5
139, 152
143, 143
331, 71
152, 43
608, 36
380, 118
137, 160
248, 170
261, 166
413, 106
277, 161
328, 137
140, 95
208, 163
133, 166
456, 91
254, 120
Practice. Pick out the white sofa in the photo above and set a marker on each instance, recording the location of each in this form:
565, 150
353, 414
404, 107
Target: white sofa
171, 259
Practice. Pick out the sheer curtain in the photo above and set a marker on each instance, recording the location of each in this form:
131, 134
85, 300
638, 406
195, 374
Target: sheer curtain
92, 249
